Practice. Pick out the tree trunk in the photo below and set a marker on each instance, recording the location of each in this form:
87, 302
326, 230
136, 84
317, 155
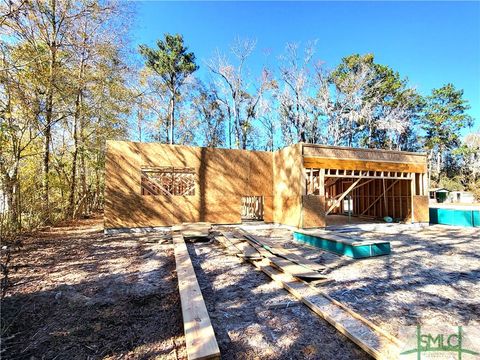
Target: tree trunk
76, 118
172, 118
82, 169
430, 159
49, 116
73, 183
439, 161
46, 171
12, 193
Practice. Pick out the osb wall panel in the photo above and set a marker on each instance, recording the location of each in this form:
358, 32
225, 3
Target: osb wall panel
313, 211
337, 152
288, 176
420, 209
222, 178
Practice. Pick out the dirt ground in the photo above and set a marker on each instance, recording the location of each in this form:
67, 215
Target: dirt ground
431, 277
80, 294
242, 303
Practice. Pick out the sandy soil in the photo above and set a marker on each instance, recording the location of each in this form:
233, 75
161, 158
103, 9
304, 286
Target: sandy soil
431, 277
242, 303
79, 294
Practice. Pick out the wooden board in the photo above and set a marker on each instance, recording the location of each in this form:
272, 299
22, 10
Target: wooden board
370, 338
189, 230
288, 266
199, 335
344, 238
313, 207
326, 163
293, 269
342, 152
277, 250
244, 248
231, 249
420, 208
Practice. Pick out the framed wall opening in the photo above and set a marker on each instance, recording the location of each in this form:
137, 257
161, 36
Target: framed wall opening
168, 180
353, 196
252, 208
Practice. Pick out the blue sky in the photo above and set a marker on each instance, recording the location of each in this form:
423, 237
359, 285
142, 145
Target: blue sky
431, 43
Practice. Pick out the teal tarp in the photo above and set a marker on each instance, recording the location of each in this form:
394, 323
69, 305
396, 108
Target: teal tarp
455, 217
356, 252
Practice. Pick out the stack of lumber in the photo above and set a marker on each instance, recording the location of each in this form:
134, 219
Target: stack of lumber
250, 247
281, 252
239, 247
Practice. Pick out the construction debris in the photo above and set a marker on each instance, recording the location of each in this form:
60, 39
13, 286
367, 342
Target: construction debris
366, 335
289, 275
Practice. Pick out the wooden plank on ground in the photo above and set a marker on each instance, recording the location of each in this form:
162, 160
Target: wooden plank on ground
295, 270
190, 230
367, 336
199, 335
287, 265
245, 249
231, 249
277, 250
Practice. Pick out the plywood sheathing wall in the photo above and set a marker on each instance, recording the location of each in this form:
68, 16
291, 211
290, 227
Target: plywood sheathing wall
288, 177
313, 211
420, 209
222, 178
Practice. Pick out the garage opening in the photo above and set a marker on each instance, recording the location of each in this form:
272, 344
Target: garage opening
357, 196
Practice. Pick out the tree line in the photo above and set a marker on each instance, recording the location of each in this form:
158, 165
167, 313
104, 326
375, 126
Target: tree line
69, 81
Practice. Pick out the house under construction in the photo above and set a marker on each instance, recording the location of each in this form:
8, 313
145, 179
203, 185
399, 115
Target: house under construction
153, 185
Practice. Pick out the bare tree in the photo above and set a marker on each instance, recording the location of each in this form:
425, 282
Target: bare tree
237, 93
211, 116
354, 103
395, 123
301, 79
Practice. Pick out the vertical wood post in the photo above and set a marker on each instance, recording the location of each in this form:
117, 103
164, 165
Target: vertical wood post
425, 185
321, 182
311, 188
412, 193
